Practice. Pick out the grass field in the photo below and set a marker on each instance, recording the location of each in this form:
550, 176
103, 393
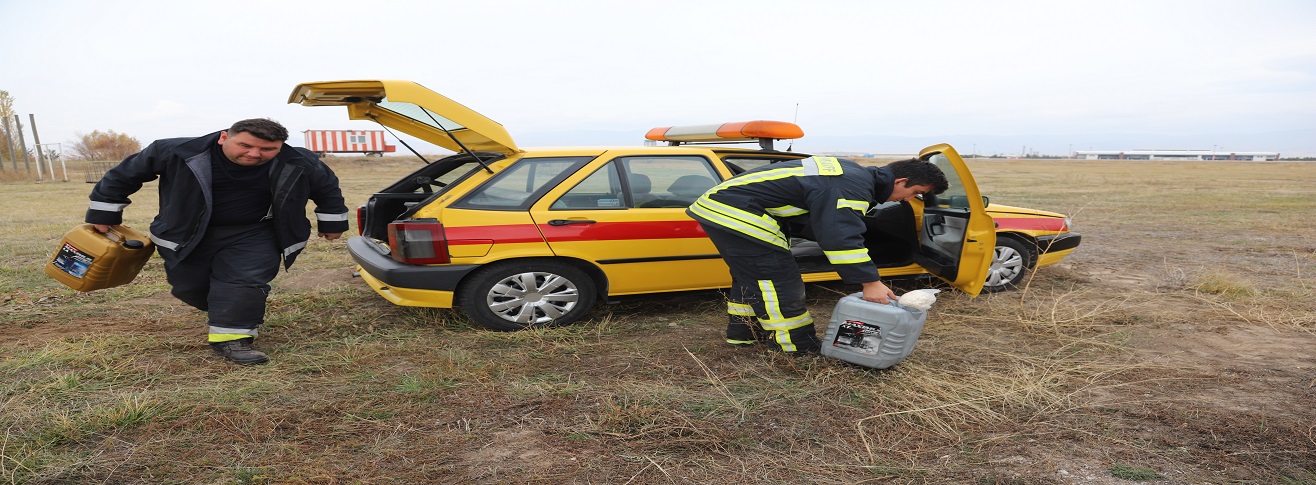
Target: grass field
1175, 346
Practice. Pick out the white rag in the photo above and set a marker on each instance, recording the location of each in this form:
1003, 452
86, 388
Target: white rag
919, 299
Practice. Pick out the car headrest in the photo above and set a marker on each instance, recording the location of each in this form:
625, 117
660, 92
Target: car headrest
640, 183
691, 186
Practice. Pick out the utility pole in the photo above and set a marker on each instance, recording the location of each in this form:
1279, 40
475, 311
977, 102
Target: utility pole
22, 144
36, 140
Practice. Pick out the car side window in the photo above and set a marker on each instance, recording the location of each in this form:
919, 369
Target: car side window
521, 184
600, 190
667, 181
741, 165
646, 182
955, 196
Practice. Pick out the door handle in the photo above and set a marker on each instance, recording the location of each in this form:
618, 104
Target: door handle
563, 222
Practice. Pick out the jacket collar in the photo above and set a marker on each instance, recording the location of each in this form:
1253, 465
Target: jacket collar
883, 183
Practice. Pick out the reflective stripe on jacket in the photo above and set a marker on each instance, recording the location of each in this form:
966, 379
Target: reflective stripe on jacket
830, 195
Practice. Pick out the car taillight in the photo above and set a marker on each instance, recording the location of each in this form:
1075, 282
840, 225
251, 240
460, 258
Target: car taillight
360, 220
418, 241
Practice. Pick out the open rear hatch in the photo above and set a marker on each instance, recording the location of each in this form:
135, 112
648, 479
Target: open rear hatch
413, 109
410, 108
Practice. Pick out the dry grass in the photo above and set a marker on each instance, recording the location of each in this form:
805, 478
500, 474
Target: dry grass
1176, 342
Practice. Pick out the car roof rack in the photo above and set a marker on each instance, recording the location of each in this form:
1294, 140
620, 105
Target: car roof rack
762, 131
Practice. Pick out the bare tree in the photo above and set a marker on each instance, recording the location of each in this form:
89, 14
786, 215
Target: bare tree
108, 145
6, 113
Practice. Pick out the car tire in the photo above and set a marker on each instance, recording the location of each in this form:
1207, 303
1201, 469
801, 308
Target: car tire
1011, 263
515, 295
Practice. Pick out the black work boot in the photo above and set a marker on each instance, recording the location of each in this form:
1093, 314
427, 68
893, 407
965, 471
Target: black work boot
742, 332
239, 351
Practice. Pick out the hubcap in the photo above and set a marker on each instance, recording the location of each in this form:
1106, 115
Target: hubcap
532, 297
1006, 265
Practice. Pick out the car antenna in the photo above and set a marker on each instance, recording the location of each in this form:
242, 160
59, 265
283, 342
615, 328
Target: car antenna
400, 140
459, 142
794, 121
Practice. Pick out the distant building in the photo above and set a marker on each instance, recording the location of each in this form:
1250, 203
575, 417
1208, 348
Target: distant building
1176, 155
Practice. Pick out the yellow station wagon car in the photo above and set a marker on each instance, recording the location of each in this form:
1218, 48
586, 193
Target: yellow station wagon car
524, 237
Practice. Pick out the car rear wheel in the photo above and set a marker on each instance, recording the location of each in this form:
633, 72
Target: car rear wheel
513, 295
1010, 264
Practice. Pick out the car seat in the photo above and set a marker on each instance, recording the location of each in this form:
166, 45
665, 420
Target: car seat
690, 187
641, 187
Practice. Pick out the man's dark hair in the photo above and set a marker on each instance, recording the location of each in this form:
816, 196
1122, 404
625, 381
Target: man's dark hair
920, 172
263, 128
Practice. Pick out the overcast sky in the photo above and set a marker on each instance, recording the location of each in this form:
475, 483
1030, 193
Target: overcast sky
863, 75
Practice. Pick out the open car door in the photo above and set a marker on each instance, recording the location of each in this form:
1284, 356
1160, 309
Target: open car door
957, 237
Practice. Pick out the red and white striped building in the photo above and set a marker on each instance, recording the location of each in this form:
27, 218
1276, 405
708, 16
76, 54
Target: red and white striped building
369, 142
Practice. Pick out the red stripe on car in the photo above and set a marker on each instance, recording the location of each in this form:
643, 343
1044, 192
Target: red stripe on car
598, 231
1030, 223
505, 234
620, 231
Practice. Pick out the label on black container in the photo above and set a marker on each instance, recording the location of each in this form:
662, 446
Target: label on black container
73, 261
857, 336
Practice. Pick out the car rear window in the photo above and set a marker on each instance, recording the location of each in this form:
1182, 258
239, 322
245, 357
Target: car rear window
520, 185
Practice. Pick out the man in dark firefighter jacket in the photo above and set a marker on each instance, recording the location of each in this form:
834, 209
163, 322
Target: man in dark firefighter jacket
744, 215
232, 205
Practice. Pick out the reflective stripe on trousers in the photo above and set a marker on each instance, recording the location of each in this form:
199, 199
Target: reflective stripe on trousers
766, 279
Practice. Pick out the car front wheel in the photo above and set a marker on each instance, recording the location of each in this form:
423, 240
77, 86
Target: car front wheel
1010, 264
513, 295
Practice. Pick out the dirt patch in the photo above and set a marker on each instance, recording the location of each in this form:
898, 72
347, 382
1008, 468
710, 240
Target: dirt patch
510, 453
160, 315
306, 280
1237, 368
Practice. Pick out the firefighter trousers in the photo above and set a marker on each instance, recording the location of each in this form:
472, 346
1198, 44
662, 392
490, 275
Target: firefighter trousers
766, 299
227, 275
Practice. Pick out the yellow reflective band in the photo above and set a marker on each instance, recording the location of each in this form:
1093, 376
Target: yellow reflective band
741, 342
786, 211
828, 166
746, 179
740, 309
859, 205
849, 256
227, 337
762, 228
771, 303
783, 339
786, 324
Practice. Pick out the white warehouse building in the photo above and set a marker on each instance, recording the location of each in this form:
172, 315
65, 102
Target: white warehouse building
1176, 155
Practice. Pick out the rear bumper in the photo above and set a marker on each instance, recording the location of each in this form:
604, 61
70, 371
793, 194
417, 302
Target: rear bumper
408, 296
391, 273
